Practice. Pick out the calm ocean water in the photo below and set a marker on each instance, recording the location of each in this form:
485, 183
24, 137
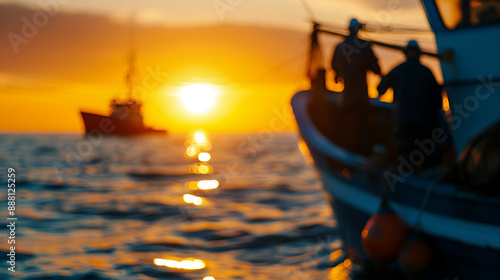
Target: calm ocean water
134, 208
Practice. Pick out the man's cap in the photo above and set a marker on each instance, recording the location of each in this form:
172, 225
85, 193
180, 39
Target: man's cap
412, 45
355, 24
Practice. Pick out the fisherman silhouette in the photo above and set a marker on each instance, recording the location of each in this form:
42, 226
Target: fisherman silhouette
352, 59
417, 103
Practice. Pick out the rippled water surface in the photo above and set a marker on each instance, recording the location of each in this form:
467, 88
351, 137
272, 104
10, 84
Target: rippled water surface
134, 208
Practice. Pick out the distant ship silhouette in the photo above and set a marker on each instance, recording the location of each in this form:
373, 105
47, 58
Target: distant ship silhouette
126, 117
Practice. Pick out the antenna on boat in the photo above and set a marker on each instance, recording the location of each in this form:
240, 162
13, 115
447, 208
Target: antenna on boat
131, 59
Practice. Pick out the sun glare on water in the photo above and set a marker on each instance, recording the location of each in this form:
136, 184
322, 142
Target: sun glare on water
187, 264
198, 98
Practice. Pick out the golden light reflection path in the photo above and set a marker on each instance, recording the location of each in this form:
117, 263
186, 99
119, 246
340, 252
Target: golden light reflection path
186, 264
207, 184
198, 146
204, 157
193, 199
199, 143
201, 169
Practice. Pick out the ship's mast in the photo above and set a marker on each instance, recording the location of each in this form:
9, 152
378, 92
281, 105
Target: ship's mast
131, 60
130, 75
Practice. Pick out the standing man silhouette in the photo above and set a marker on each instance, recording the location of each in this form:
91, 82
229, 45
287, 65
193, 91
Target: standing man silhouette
417, 104
352, 59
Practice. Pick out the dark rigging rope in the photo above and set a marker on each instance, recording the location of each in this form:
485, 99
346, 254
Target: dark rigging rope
315, 59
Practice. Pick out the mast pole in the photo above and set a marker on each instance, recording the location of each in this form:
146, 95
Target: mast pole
131, 58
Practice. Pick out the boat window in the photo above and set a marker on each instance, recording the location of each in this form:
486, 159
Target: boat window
460, 13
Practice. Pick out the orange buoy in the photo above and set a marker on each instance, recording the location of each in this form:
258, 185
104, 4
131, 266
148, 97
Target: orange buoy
384, 234
415, 257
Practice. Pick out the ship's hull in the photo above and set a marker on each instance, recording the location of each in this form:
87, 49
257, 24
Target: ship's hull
108, 125
462, 228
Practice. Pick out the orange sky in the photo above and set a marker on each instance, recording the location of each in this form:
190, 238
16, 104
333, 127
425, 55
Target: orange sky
78, 61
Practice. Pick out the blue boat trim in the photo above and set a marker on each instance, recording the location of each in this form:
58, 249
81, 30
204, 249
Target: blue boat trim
477, 234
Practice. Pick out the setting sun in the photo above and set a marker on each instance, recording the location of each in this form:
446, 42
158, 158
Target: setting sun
198, 98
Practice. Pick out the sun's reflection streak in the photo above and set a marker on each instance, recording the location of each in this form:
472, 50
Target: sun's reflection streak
200, 138
201, 169
207, 184
186, 264
198, 147
204, 156
199, 144
193, 199
203, 185
192, 151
